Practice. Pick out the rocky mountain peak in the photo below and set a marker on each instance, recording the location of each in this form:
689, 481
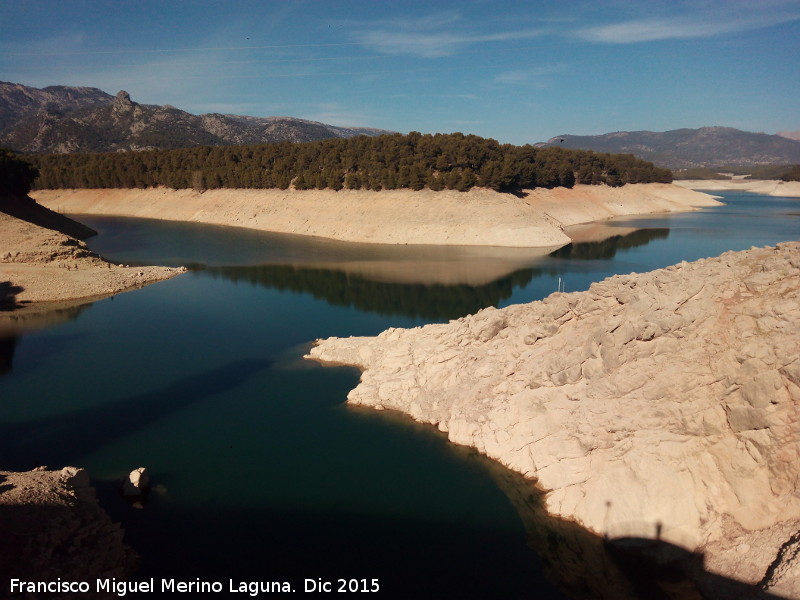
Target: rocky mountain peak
89, 120
123, 98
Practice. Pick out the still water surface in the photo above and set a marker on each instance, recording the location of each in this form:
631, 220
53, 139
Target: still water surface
262, 472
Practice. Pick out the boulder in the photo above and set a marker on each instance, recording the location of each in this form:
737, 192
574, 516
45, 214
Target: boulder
136, 484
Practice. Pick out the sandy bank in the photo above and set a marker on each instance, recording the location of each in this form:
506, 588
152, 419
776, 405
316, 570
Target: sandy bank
42, 269
660, 405
479, 217
766, 187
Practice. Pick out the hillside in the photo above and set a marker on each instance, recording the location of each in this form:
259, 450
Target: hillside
62, 119
712, 147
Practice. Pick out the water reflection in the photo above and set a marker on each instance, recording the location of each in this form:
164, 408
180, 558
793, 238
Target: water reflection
394, 287
607, 248
14, 323
434, 302
148, 241
7, 346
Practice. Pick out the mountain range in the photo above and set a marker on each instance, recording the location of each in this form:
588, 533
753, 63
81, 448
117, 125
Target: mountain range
63, 119
710, 147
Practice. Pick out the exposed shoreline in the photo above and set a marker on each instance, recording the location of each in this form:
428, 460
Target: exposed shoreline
656, 406
766, 187
480, 217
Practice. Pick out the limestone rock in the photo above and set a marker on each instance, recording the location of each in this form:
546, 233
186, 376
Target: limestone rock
137, 483
660, 405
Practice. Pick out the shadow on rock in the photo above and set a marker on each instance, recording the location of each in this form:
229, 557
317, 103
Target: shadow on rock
8, 296
589, 567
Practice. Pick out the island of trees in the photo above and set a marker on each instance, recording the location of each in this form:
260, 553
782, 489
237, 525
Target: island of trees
415, 161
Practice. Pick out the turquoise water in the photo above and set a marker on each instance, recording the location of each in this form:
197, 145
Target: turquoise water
261, 471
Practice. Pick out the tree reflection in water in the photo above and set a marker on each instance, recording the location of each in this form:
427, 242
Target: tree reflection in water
433, 301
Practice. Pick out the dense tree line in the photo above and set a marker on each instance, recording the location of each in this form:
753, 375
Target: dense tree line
16, 175
792, 174
442, 161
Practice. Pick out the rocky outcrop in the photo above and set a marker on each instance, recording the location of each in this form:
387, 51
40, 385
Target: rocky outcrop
663, 405
51, 526
136, 484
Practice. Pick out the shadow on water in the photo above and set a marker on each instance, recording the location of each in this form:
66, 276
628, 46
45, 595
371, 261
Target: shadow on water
57, 440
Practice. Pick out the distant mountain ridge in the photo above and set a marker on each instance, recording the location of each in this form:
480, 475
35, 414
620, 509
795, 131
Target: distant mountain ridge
64, 119
711, 147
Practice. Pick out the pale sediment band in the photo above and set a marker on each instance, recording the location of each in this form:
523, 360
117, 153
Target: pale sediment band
480, 217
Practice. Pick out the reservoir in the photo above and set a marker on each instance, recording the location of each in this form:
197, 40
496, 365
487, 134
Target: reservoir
261, 472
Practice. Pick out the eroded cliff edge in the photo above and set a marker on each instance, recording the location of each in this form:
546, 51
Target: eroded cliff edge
659, 405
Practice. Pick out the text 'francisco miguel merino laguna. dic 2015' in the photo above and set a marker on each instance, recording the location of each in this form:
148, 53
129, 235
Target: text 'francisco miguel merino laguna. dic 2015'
251, 588
122, 588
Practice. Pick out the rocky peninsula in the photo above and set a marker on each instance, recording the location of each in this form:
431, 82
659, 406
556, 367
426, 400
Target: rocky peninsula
42, 269
480, 217
658, 406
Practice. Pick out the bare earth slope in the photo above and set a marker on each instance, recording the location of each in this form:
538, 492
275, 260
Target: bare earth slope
479, 217
659, 405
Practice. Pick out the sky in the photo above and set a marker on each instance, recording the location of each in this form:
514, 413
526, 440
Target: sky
519, 72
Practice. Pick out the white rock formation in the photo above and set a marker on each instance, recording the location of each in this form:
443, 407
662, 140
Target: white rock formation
662, 405
137, 483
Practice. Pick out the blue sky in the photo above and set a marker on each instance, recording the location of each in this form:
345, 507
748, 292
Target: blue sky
519, 72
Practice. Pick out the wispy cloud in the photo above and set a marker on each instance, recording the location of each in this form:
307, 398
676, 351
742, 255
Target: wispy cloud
434, 45
337, 114
700, 24
536, 76
429, 37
